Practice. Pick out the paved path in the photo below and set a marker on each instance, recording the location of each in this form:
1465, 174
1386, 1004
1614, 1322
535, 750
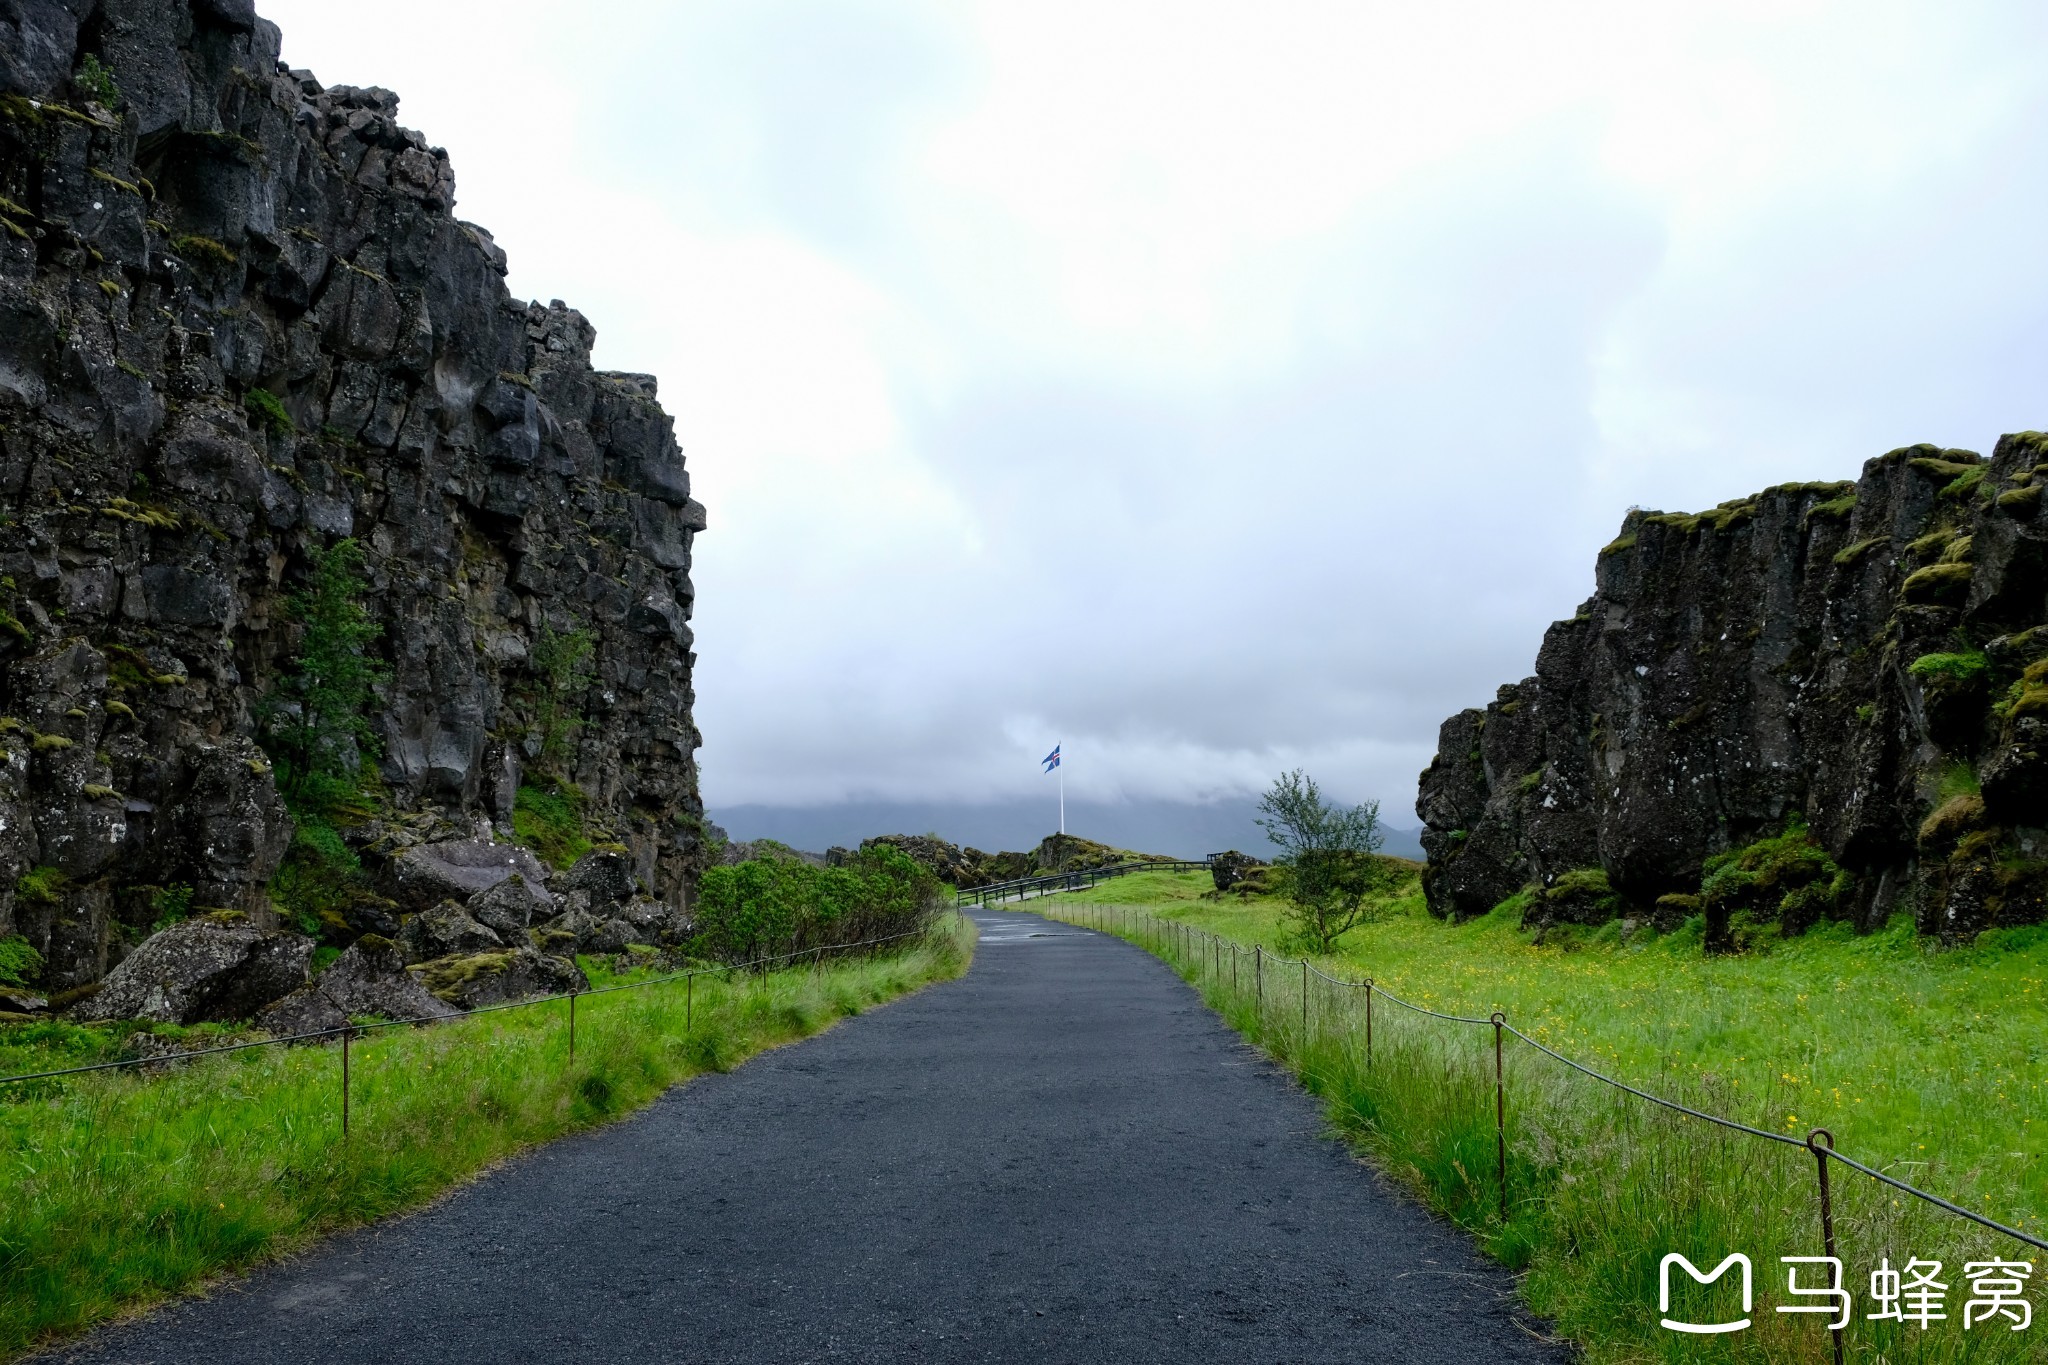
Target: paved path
1063, 1156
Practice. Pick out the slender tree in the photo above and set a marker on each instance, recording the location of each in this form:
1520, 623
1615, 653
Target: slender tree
318, 717
1328, 851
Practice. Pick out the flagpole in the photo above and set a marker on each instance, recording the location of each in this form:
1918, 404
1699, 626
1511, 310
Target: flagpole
1063, 799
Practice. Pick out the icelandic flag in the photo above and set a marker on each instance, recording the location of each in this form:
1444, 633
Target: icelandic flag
1051, 760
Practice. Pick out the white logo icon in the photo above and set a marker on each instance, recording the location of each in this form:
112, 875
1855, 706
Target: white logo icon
1703, 1328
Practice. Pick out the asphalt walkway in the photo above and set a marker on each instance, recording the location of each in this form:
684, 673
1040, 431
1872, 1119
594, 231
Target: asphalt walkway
1062, 1156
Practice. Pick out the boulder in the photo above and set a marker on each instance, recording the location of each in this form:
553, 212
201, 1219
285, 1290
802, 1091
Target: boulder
579, 925
218, 966
613, 936
305, 1010
455, 869
370, 978
606, 877
651, 919
22, 1002
508, 908
478, 979
445, 930
1227, 869
556, 942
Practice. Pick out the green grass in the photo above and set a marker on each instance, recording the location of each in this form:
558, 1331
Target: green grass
118, 1189
549, 820
1923, 1063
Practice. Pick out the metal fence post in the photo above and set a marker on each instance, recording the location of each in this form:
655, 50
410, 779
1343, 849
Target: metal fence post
345, 1033
1500, 1111
689, 1000
1368, 1022
1827, 1215
572, 1026
1304, 1002
1259, 971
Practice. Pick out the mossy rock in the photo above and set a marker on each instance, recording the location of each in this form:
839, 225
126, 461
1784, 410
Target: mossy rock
1940, 585
1955, 818
1674, 910
1583, 896
2020, 502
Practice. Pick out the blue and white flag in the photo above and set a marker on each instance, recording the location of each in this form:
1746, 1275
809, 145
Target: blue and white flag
1052, 760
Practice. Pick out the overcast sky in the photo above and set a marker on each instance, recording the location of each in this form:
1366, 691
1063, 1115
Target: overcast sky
1224, 388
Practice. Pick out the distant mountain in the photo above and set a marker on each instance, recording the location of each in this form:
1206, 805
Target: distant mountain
1181, 829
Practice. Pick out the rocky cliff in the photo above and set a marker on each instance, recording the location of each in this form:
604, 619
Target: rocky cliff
1825, 701
240, 322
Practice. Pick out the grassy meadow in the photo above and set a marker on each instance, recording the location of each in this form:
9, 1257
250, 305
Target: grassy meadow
1926, 1064
120, 1189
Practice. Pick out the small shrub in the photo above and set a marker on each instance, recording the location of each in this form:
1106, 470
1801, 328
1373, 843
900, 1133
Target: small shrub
267, 410
95, 80
20, 963
168, 905
561, 674
1964, 667
42, 886
319, 879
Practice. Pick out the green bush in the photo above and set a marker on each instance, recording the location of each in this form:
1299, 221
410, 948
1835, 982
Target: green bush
268, 412
1964, 667
42, 886
169, 904
319, 879
775, 905
20, 963
95, 80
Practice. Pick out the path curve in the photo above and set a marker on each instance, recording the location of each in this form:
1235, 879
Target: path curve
1061, 1156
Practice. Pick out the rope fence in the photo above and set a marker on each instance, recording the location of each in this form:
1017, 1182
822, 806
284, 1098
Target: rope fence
1206, 951
688, 977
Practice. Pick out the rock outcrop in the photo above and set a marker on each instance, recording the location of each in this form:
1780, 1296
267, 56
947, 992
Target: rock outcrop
368, 978
241, 321
1825, 701
474, 980
220, 966
966, 868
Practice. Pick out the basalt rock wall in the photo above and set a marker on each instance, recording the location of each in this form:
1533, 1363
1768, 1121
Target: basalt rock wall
239, 320
1867, 660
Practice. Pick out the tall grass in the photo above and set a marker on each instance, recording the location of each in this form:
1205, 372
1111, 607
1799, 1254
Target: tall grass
119, 1189
1600, 1185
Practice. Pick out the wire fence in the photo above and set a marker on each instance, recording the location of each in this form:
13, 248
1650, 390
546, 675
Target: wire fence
1302, 1003
1026, 888
349, 1032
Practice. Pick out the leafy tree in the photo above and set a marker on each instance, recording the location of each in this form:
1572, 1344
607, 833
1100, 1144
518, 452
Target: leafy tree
562, 673
317, 720
1329, 853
